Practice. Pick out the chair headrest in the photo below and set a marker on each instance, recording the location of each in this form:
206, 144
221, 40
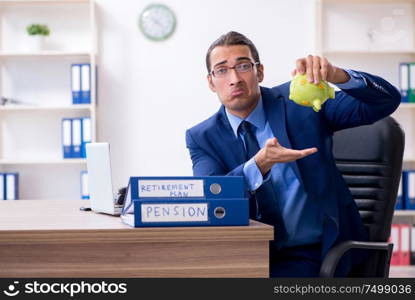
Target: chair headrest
369, 143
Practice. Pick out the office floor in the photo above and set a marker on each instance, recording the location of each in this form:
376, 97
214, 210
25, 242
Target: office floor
402, 271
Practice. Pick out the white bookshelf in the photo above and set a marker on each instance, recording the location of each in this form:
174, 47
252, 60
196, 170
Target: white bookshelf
30, 133
372, 36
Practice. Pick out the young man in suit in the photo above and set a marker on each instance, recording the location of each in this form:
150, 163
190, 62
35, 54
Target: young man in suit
284, 150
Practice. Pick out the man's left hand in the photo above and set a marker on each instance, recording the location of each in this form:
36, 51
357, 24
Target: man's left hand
319, 68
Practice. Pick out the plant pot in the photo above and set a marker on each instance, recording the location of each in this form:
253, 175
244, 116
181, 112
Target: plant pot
35, 43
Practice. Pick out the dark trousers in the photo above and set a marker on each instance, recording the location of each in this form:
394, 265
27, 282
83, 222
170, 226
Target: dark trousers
299, 261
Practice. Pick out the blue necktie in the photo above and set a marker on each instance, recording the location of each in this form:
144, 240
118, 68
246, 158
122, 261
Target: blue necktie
251, 143
251, 148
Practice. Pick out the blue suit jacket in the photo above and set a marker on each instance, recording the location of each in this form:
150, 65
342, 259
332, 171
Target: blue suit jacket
215, 150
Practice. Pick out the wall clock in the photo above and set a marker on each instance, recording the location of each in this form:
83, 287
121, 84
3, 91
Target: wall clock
157, 22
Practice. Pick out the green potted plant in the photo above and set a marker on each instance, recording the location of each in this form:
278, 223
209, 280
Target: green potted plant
37, 34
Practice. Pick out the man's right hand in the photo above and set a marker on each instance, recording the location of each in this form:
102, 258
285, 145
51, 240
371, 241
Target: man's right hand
273, 153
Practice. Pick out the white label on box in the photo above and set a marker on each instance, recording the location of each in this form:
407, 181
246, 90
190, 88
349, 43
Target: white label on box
411, 183
411, 76
413, 239
85, 78
170, 188
11, 187
404, 77
66, 132
404, 238
2, 195
395, 238
177, 212
76, 78
76, 132
86, 129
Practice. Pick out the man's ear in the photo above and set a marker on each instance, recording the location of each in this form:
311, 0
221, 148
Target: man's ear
260, 72
211, 84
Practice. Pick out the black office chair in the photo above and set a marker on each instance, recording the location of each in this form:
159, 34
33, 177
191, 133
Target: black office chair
370, 160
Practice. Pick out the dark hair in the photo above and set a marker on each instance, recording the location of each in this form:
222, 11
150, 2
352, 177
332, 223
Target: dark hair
232, 38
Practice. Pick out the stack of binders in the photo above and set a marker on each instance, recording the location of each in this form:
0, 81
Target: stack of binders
9, 186
81, 83
407, 81
403, 239
186, 201
406, 192
76, 133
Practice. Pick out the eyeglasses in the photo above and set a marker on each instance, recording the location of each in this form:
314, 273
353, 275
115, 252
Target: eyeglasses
244, 67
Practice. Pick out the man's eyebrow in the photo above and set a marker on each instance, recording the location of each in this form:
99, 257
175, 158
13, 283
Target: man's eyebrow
238, 59
220, 63
243, 58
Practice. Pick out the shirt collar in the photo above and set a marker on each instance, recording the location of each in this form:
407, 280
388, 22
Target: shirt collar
256, 117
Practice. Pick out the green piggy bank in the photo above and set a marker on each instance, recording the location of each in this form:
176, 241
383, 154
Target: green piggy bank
305, 93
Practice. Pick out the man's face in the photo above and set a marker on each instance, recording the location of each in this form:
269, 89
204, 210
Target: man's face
238, 91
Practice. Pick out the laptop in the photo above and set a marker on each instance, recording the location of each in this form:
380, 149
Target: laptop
101, 193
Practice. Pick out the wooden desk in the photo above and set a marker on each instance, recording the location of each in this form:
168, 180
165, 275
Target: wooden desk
42, 238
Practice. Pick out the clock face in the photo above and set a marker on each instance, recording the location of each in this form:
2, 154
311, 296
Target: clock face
157, 22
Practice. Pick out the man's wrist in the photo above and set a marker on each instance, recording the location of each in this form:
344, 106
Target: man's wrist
340, 76
253, 175
263, 166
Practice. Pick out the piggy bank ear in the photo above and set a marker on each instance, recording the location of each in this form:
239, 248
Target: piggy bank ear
317, 105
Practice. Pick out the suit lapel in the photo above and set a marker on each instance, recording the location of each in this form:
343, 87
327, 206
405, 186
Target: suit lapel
275, 111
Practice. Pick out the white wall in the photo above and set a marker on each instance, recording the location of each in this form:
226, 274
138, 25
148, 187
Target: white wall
151, 92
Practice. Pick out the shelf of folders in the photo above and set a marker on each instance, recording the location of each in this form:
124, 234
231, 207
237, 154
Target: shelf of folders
76, 133
403, 235
81, 83
407, 81
9, 186
406, 191
403, 239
